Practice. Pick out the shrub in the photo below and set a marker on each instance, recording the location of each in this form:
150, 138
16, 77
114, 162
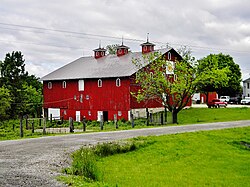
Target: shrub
84, 164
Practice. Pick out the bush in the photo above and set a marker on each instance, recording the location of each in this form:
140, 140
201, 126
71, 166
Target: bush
84, 159
84, 164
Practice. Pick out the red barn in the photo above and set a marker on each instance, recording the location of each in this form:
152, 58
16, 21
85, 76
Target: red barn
99, 85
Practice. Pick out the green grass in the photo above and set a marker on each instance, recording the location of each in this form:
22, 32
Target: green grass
206, 115
188, 116
209, 158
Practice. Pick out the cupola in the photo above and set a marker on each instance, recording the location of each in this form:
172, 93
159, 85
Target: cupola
122, 50
99, 52
147, 46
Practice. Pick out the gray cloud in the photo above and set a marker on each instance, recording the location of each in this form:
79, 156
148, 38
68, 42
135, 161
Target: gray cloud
210, 26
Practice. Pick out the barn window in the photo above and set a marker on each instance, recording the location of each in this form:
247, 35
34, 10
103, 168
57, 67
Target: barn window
49, 85
145, 48
64, 84
81, 85
248, 85
99, 83
97, 53
102, 53
118, 82
169, 56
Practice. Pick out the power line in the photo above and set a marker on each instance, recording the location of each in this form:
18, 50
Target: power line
86, 35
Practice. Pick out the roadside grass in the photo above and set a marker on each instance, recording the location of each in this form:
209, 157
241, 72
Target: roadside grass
187, 116
208, 158
207, 115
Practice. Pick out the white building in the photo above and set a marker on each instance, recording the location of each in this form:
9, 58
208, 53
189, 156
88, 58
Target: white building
246, 88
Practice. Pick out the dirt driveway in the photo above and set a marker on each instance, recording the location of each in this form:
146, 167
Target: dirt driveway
36, 162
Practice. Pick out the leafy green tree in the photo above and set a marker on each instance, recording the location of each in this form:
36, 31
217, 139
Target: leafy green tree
5, 101
225, 66
33, 100
174, 90
15, 79
111, 49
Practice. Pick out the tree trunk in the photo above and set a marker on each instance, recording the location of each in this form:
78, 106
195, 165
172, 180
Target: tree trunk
174, 116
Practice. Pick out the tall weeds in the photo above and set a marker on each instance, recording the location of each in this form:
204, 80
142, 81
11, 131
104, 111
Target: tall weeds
84, 159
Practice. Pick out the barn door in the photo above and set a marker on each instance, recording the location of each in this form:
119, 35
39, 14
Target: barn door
78, 116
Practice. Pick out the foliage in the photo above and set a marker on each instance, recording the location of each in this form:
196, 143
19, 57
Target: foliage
84, 159
225, 70
173, 90
10, 129
208, 158
20, 84
5, 101
112, 49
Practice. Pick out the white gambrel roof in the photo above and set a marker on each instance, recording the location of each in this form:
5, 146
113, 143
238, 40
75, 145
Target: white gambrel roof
104, 67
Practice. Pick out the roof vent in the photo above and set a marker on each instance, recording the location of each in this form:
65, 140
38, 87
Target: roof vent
99, 52
122, 49
147, 46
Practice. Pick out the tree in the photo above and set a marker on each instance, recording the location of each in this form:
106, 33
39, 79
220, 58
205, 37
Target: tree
15, 79
173, 90
112, 49
225, 66
5, 102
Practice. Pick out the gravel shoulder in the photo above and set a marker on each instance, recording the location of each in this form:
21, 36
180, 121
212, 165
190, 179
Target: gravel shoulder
37, 161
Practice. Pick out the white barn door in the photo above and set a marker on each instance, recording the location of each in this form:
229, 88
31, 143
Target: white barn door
78, 116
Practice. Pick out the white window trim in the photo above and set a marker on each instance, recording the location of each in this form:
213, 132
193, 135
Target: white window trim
81, 85
64, 84
118, 82
49, 85
145, 48
99, 83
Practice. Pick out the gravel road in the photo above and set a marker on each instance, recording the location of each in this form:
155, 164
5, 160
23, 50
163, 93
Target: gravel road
37, 161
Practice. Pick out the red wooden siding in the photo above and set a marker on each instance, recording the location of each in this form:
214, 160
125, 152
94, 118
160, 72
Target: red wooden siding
109, 98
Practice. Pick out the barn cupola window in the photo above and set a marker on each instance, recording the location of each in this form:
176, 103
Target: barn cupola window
147, 46
99, 52
122, 50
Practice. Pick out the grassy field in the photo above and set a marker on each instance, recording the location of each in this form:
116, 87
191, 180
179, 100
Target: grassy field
211, 158
188, 116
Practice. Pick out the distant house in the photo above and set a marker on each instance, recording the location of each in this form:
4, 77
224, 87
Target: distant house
99, 86
246, 88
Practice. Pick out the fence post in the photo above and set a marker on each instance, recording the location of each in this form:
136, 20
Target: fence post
151, 117
84, 123
147, 113
62, 119
21, 126
161, 118
51, 118
44, 125
132, 120
26, 122
115, 120
71, 125
166, 114
33, 128
40, 122
101, 122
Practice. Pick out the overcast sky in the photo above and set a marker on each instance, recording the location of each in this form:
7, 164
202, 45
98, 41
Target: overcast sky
52, 33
